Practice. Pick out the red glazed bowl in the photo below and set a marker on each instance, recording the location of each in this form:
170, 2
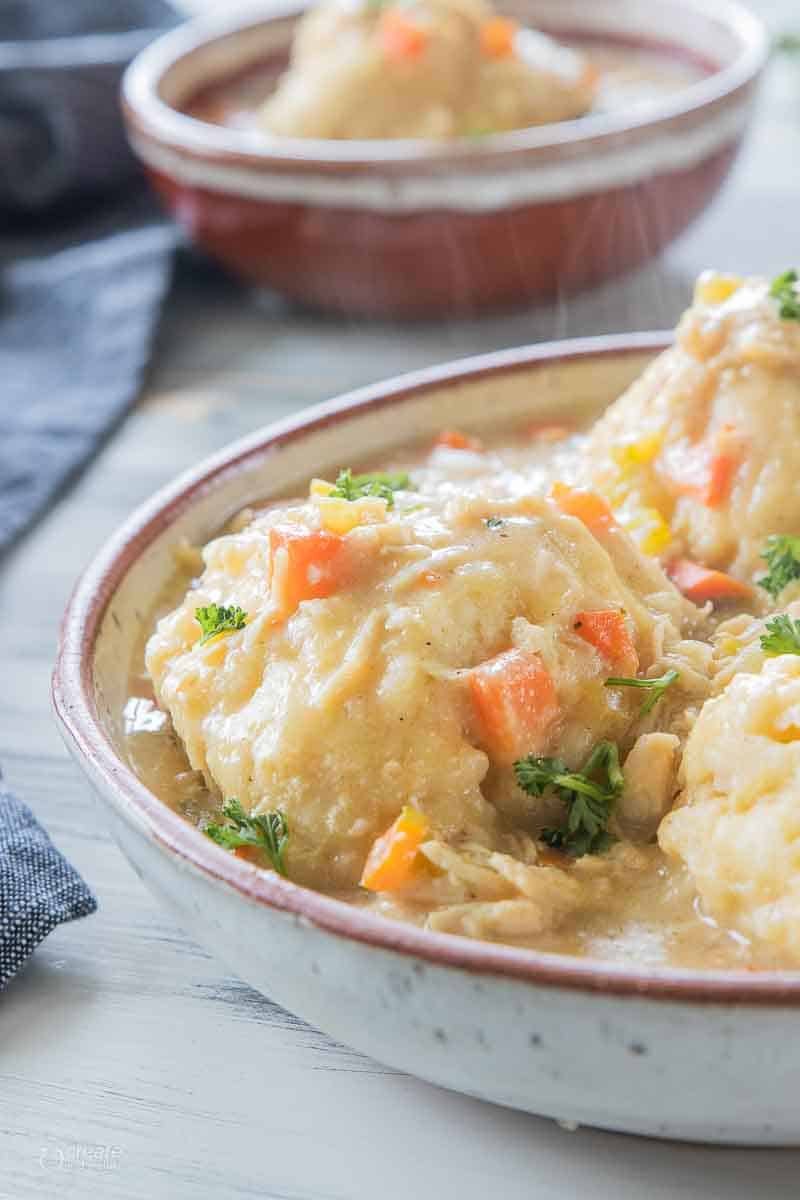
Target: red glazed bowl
412, 228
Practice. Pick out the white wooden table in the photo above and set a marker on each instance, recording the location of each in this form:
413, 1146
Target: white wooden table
131, 1066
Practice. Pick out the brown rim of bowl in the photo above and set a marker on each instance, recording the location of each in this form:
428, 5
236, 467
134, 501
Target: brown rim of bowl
75, 706
153, 117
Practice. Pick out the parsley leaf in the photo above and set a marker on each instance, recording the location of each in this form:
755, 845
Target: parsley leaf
782, 636
219, 618
268, 832
589, 795
656, 687
784, 290
352, 487
494, 522
781, 553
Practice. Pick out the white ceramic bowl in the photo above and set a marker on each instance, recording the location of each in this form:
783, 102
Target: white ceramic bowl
675, 1053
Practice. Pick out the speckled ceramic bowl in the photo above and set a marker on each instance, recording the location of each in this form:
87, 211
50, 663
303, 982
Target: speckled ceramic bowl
413, 228
674, 1053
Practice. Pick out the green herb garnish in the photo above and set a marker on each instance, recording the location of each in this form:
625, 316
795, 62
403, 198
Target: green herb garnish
268, 832
589, 795
781, 553
788, 43
219, 618
782, 636
352, 487
784, 289
494, 522
656, 687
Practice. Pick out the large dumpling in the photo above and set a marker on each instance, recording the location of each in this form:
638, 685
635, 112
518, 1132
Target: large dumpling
405, 651
425, 69
737, 826
701, 456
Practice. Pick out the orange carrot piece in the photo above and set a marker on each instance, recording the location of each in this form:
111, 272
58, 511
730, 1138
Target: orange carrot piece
457, 440
392, 858
706, 471
250, 854
700, 584
515, 701
607, 631
721, 470
589, 507
497, 37
549, 433
305, 565
402, 39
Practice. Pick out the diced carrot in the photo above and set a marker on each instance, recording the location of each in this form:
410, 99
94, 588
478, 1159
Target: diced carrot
700, 584
402, 39
587, 506
306, 565
607, 630
497, 37
429, 579
457, 440
515, 701
250, 854
721, 470
392, 859
706, 471
549, 433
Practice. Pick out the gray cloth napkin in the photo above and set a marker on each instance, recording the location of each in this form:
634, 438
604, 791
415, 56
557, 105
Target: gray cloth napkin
38, 887
76, 331
84, 265
84, 258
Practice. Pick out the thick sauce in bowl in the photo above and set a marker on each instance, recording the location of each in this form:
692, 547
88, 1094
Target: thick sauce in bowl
630, 79
542, 689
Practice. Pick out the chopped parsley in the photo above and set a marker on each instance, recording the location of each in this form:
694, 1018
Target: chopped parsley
784, 290
268, 832
656, 687
781, 553
380, 483
494, 522
782, 636
214, 619
788, 43
588, 794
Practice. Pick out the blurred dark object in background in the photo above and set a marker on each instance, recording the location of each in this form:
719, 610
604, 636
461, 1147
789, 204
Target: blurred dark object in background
60, 126
85, 257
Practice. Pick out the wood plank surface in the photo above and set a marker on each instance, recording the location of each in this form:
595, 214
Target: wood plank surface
131, 1065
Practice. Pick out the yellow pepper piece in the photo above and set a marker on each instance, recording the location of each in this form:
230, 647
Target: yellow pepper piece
649, 529
340, 516
714, 288
320, 487
638, 453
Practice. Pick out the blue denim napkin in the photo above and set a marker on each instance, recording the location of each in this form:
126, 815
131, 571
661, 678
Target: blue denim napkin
84, 258
85, 262
38, 887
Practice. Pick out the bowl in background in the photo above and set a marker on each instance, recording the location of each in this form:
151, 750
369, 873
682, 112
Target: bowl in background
664, 1051
413, 228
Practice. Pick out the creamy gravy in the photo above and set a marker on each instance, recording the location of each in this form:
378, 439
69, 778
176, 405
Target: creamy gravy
655, 920
629, 78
